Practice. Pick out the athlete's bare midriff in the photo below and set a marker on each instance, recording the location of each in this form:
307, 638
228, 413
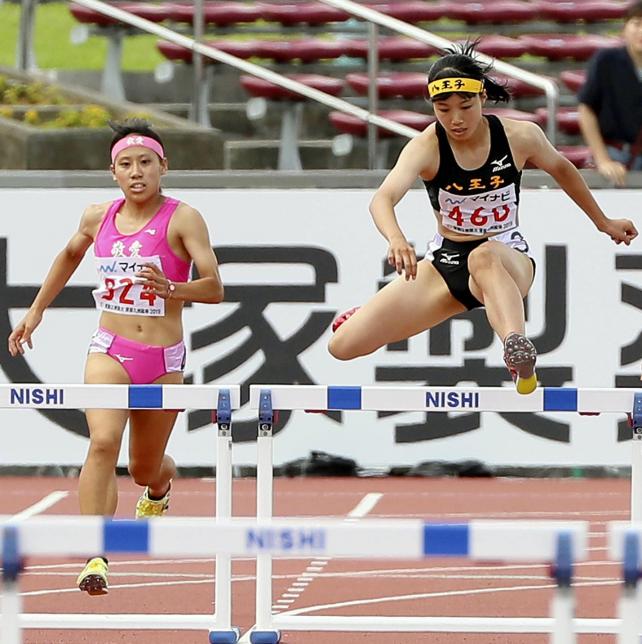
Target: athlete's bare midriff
164, 331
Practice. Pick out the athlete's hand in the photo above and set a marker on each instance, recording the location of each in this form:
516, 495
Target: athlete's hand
620, 230
21, 335
153, 279
402, 257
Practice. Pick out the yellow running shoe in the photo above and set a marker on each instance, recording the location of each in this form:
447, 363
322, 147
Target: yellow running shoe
93, 578
147, 507
520, 357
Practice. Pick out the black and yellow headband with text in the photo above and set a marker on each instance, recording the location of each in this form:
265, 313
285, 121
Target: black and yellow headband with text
447, 85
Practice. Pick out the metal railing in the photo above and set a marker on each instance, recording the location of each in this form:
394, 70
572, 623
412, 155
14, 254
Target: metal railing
374, 19
393, 24
249, 68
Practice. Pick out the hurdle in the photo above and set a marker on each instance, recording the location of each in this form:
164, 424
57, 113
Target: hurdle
221, 400
268, 399
556, 542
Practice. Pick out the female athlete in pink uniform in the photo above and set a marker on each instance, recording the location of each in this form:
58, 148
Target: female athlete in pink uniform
144, 246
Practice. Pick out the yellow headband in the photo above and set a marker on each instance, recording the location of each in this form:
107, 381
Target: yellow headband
445, 85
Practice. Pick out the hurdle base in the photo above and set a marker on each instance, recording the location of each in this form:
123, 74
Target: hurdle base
265, 637
224, 637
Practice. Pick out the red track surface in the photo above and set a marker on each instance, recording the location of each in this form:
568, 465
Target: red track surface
435, 587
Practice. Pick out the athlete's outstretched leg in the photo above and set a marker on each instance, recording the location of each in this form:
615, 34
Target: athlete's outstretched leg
500, 277
398, 311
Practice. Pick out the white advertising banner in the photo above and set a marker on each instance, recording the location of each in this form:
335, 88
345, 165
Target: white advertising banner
291, 260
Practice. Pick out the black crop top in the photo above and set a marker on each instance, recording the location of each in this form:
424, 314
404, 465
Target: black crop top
482, 201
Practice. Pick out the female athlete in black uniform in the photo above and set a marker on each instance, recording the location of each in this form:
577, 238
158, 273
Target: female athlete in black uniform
471, 165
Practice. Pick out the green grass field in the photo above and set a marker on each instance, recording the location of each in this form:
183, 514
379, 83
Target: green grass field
54, 49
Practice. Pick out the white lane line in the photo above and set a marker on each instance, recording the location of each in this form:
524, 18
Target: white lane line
365, 505
449, 593
316, 566
40, 506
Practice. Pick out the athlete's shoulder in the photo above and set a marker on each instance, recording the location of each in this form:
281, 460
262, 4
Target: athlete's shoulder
97, 210
95, 213
186, 213
424, 148
521, 133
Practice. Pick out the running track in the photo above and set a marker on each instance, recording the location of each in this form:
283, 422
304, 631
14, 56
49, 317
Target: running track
438, 587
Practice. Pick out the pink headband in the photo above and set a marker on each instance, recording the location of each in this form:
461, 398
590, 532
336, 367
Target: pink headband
137, 140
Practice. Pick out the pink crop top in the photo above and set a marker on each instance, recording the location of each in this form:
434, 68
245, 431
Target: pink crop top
149, 241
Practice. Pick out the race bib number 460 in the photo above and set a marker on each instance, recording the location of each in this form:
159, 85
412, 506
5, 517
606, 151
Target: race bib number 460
484, 213
119, 290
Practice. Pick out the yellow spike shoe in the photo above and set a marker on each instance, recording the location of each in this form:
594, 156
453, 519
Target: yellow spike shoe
147, 507
520, 356
93, 578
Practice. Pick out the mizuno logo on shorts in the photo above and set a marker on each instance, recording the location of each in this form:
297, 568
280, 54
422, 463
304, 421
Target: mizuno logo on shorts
449, 258
122, 359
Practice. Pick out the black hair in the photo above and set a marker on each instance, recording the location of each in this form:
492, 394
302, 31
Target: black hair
460, 61
132, 126
634, 11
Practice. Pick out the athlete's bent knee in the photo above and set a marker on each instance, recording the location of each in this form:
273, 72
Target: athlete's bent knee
142, 473
483, 258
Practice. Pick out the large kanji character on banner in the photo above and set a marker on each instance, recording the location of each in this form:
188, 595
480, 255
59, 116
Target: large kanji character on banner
281, 364
478, 371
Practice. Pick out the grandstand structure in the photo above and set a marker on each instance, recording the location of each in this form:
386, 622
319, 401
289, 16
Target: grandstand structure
327, 48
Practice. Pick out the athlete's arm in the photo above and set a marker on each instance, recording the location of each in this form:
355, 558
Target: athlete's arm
63, 267
543, 155
208, 288
417, 158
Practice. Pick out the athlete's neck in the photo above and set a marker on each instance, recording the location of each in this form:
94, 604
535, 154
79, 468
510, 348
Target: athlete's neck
142, 210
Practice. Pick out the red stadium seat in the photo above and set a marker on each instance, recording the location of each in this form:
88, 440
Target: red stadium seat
586, 10
261, 88
311, 13
151, 12
392, 84
414, 11
495, 12
567, 119
240, 48
517, 88
393, 48
518, 115
289, 157
282, 51
501, 47
559, 46
352, 125
305, 49
573, 79
221, 14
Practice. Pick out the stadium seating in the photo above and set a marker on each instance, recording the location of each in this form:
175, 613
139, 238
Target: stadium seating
324, 42
289, 158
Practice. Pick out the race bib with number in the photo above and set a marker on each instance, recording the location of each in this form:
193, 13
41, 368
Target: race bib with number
118, 288
484, 213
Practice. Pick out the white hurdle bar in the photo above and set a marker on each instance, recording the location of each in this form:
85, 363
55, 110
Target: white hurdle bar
221, 400
555, 542
267, 399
